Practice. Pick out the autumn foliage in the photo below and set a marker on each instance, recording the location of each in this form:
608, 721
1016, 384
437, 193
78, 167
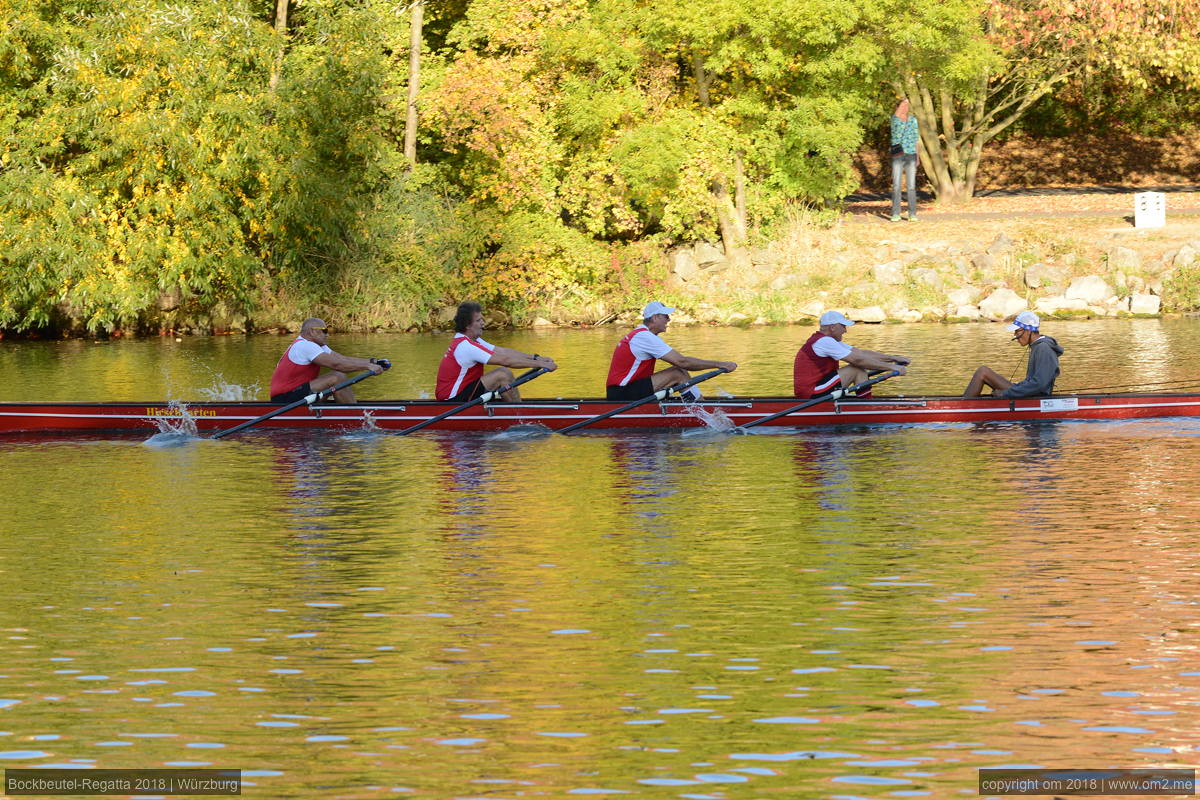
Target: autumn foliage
200, 164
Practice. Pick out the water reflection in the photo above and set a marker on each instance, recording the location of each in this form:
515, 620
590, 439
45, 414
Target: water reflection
1098, 353
805, 614
465, 472
644, 470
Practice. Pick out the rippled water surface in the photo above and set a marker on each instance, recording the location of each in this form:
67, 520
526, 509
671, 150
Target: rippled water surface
872, 613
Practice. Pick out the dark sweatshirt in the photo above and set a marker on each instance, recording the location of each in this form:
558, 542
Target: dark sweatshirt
1042, 370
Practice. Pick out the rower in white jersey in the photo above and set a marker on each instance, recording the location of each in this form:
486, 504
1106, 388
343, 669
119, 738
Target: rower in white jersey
631, 375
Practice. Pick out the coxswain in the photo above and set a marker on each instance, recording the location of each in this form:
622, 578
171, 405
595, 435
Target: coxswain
1040, 372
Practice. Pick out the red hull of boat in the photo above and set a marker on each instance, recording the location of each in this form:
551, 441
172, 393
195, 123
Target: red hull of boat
557, 414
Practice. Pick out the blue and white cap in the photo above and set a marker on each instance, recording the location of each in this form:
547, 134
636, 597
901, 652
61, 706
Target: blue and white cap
835, 318
1026, 320
656, 308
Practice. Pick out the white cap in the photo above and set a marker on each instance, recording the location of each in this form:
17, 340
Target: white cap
656, 308
1027, 320
835, 318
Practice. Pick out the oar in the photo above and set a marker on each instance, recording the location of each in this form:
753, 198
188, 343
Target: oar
834, 395
659, 395
310, 399
483, 398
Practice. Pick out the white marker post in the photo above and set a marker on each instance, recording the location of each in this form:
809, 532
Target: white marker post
1149, 210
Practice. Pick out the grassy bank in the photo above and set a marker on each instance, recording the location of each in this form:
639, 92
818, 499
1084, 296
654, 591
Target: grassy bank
943, 268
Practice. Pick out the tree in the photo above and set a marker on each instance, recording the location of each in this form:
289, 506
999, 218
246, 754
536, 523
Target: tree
150, 172
625, 118
973, 68
135, 164
417, 12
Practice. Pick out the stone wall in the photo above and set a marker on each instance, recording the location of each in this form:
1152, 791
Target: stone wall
1079, 273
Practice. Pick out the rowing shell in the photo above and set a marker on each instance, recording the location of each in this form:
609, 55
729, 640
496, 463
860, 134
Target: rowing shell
557, 414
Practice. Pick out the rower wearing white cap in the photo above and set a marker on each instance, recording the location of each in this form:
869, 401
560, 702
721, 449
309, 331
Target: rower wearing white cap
815, 370
1040, 372
631, 375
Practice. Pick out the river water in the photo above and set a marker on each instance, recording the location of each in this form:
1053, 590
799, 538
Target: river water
876, 613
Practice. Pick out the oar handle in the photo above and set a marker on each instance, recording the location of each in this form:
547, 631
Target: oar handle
680, 388
486, 397
307, 399
661, 394
834, 395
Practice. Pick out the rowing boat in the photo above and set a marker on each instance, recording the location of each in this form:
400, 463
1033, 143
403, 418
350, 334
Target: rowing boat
555, 414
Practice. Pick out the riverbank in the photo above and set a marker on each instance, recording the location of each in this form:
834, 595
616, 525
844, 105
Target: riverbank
1065, 253
952, 267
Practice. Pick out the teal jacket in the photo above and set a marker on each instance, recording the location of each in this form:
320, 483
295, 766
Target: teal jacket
905, 133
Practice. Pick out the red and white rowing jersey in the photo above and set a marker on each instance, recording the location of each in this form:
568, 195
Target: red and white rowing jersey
815, 369
462, 365
634, 356
296, 367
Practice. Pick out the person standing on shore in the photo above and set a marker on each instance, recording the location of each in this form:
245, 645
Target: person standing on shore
905, 136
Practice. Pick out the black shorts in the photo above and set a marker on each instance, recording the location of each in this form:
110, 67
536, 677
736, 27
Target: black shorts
299, 393
826, 384
635, 390
472, 391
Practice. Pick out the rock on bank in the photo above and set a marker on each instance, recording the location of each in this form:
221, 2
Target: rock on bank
944, 271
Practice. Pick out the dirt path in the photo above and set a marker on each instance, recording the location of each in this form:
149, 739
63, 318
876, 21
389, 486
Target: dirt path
1031, 203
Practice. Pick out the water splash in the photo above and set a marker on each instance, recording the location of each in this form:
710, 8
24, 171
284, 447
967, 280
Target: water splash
175, 426
176, 419
222, 391
369, 425
715, 421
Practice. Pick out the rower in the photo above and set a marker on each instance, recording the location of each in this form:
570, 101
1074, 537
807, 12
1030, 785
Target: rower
631, 375
1040, 371
815, 370
297, 374
460, 375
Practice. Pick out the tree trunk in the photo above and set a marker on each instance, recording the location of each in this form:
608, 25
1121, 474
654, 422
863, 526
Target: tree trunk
732, 228
414, 83
281, 23
732, 235
739, 194
954, 132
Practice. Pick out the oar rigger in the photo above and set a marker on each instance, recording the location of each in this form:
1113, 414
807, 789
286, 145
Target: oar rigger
659, 395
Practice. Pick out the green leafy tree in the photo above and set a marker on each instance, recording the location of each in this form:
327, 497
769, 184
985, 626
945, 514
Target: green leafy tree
133, 164
624, 118
973, 68
167, 161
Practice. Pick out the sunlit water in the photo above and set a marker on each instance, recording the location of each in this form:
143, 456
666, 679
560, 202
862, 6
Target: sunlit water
874, 613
